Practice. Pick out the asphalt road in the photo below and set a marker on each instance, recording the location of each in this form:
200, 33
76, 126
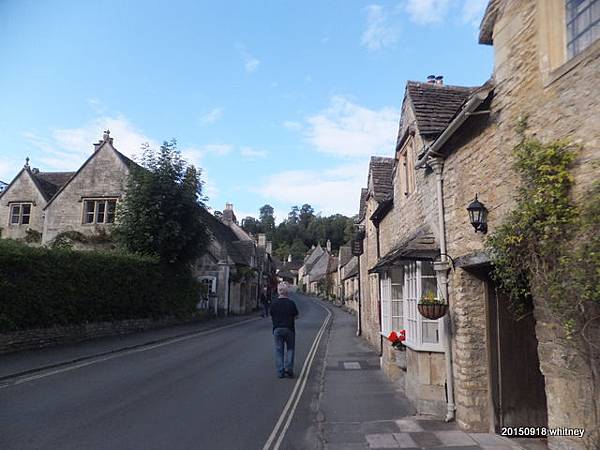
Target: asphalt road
213, 391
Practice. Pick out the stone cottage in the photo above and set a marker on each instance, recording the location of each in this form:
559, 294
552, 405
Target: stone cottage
379, 189
479, 364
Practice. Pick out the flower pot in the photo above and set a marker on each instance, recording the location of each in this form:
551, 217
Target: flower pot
432, 311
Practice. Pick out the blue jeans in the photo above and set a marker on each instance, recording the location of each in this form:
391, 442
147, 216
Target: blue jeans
284, 336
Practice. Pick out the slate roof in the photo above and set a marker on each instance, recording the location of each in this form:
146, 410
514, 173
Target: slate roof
363, 204
421, 245
381, 171
49, 183
345, 255
293, 265
351, 268
225, 235
319, 268
313, 257
435, 105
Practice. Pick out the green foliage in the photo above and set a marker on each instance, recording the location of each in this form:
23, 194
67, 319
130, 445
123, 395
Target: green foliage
66, 239
243, 274
301, 230
33, 236
549, 247
42, 287
429, 298
160, 215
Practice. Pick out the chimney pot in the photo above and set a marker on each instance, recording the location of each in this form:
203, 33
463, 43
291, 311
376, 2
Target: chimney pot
228, 206
328, 245
431, 79
35, 170
439, 79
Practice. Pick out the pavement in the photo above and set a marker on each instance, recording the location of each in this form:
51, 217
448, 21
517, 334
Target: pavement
351, 405
361, 409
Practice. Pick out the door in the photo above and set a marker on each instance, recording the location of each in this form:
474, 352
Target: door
517, 384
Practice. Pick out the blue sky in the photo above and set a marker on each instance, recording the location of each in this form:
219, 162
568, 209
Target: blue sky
278, 102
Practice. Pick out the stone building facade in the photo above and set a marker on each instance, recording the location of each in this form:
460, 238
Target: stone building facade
498, 371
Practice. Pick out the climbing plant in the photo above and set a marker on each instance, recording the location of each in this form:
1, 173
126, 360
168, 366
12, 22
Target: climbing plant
549, 245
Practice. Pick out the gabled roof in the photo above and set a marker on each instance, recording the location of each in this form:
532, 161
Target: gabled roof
226, 237
381, 172
333, 264
435, 105
345, 255
293, 265
320, 266
128, 163
363, 204
351, 269
314, 255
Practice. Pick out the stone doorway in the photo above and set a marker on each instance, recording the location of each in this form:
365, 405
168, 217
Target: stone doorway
516, 383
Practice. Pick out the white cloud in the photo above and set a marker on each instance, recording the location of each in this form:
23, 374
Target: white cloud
251, 63
252, 153
331, 191
425, 12
292, 125
67, 148
212, 116
348, 130
472, 11
217, 149
382, 28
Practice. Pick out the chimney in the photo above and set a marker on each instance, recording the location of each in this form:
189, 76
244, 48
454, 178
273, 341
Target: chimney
228, 215
431, 79
262, 240
328, 246
439, 79
35, 170
290, 258
269, 249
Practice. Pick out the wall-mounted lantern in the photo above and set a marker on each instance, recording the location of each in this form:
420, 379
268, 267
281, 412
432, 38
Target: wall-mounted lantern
478, 215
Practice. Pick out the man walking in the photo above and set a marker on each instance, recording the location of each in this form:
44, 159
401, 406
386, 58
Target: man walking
265, 302
283, 315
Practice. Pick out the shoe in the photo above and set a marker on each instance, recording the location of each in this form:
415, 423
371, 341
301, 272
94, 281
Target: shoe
290, 373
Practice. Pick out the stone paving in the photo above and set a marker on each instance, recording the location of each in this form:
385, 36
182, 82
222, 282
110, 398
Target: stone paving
411, 433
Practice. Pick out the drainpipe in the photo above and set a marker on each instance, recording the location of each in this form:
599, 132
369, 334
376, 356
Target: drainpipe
359, 318
441, 270
227, 284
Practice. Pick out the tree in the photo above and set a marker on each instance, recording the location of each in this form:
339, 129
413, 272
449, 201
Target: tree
267, 220
160, 215
251, 225
307, 214
293, 216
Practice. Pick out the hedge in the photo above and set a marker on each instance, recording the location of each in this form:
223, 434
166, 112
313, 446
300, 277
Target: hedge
41, 287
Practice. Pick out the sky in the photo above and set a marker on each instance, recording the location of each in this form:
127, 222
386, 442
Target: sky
277, 102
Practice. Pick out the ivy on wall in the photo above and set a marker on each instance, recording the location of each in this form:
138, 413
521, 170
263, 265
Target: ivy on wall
549, 245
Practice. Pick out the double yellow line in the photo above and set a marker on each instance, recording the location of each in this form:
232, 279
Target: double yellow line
287, 415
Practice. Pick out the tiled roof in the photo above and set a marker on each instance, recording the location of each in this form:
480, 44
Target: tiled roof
50, 182
351, 269
435, 105
363, 203
381, 171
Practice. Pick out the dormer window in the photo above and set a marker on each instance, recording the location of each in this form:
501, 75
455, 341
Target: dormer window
99, 211
20, 213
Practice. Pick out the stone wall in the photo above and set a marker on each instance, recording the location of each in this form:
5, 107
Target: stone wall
559, 105
105, 175
47, 337
22, 189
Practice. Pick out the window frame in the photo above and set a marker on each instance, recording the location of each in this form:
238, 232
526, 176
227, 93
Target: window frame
412, 321
94, 213
21, 206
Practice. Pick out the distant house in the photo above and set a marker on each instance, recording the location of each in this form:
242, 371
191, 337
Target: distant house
48, 204
3, 185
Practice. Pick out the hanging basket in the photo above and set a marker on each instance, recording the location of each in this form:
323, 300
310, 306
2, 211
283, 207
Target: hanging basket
432, 311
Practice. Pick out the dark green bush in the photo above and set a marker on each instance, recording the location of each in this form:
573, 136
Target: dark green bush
41, 287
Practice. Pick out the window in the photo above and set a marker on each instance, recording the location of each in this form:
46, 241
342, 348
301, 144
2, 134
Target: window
392, 287
583, 25
406, 168
20, 213
99, 211
401, 290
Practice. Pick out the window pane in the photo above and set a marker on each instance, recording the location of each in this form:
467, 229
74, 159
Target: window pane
110, 212
397, 324
429, 285
430, 333
396, 291
26, 209
427, 269
14, 214
88, 217
100, 207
